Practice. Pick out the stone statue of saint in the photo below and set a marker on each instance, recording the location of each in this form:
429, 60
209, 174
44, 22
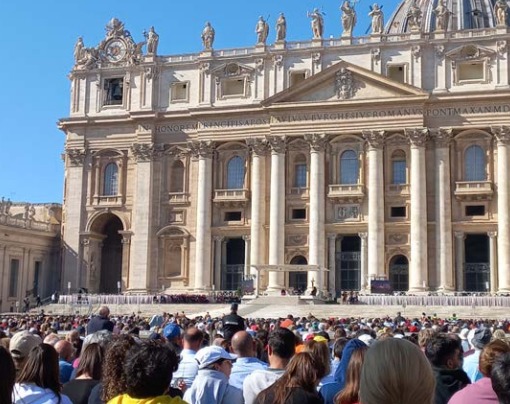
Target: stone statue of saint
152, 39
501, 10
317, 23
442, 16
78, 50
31, 212
377, 19
7, 207
27, 209
262, 30
208, 36
414, 17
348, 18
281, 28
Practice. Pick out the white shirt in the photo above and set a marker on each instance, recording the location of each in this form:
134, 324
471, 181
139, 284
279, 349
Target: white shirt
259, 380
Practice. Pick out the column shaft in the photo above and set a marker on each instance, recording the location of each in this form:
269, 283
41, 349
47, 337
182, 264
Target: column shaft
503, 211
365, 286
218, 241
459, 261
331, 264
493, 261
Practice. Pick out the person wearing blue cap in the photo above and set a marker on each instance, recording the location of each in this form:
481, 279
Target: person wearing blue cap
172, 333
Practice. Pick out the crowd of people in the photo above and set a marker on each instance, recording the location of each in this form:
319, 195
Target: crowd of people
173, 359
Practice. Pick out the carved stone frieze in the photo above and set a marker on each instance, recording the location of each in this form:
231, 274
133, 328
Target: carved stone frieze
259, 63
416, 51
317, 142
278, 144
151, 72
296, 240
76, 156
398, 238
205, 67
501, 133
417, 136
347, 212
376, 55
346, 85
502, 47
201, 148
278, 60
257, 146
316, 57
439, 49
442, 136
374, 138
145, 151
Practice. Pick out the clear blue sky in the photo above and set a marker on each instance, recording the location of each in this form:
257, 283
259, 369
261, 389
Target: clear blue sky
37, 54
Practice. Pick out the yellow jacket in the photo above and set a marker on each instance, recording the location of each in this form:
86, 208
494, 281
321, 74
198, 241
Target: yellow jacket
126, 399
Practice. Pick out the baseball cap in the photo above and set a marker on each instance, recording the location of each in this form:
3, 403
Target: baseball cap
22, 342
171, 331
211, 354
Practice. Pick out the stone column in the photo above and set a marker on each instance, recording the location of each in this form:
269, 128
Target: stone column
277, 212
418, 279
332, 264
444, 239
143, 154
126, 246
258, 148
459, 260
203, 151
375, 141
317, 207
365, 286
493, 261
502, 134
247, 271
218, 252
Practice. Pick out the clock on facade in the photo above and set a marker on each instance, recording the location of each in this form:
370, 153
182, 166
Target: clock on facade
115, 50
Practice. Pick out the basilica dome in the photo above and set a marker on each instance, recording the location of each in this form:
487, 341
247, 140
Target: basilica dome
465, 14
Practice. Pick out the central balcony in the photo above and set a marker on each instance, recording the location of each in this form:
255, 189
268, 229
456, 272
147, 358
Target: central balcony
349, 193
233, 197
398, 190
473, 190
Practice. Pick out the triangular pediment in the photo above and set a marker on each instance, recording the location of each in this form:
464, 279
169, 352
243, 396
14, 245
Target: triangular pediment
343, 83
470, 52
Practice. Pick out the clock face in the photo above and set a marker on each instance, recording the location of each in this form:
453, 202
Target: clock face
115, 50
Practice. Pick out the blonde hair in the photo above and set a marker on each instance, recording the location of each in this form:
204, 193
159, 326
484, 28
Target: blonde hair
395, 371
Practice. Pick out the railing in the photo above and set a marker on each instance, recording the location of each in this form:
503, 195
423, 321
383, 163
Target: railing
346, 190
477, 267
298, 191
398, 189
230, 195
476, 189
27, 223
108, 199
177, 197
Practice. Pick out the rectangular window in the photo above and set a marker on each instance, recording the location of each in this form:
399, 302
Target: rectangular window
179, 91
233, 87
233, 216
475, 210
470, 71
37, 274
13, 279
113, 91
300, 179
399, 172
296, 78
398, 211
298, 214
397, 73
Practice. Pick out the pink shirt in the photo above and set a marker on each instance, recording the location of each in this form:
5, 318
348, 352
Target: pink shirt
480, 393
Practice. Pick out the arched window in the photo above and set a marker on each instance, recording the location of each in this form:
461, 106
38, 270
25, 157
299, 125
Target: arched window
235, 173
349, 167
474, 164
300, 171
177, 177
111, 180
398, 167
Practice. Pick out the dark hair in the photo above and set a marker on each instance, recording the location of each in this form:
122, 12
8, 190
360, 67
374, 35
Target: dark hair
149, 368
302, 371
41, 369
440, 349
7, 376
113, 377
193, 335
283, 343
500, 378
350, 393
91, 361
338, 347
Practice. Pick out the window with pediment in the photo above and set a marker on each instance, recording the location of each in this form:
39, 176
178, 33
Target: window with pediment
398, 167
111, 180
233, 80
177, 177
474, 164
107, 185
174, 254
235, 173
471, 64
349, 167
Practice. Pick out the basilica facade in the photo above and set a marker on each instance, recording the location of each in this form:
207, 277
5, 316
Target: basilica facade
377, 157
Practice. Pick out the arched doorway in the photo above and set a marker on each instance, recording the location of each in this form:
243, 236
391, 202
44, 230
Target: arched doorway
107, 254
399, 273
297, 280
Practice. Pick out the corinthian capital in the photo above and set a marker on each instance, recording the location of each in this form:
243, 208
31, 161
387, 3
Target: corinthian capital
76, 156
417, 136
317, 142
374, 138
442, 136
145, 151
502, 134
257, 146
278, 144
201, 148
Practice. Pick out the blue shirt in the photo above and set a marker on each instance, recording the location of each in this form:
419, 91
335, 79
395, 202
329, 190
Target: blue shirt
470, 366
187, 370
241, 368
65, 370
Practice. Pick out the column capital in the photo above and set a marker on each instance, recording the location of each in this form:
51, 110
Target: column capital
363, 235
201, 148
218, 238
459, 235
76, 156
374, 138
502, 134
246, 237
417, 136
278, 144
492, 234
318, 142
331, 236
146, 151
257, 146
442, 136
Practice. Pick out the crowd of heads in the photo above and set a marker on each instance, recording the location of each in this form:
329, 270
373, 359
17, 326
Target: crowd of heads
229, 359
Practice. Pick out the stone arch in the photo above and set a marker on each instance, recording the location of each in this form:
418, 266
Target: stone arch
398, 272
